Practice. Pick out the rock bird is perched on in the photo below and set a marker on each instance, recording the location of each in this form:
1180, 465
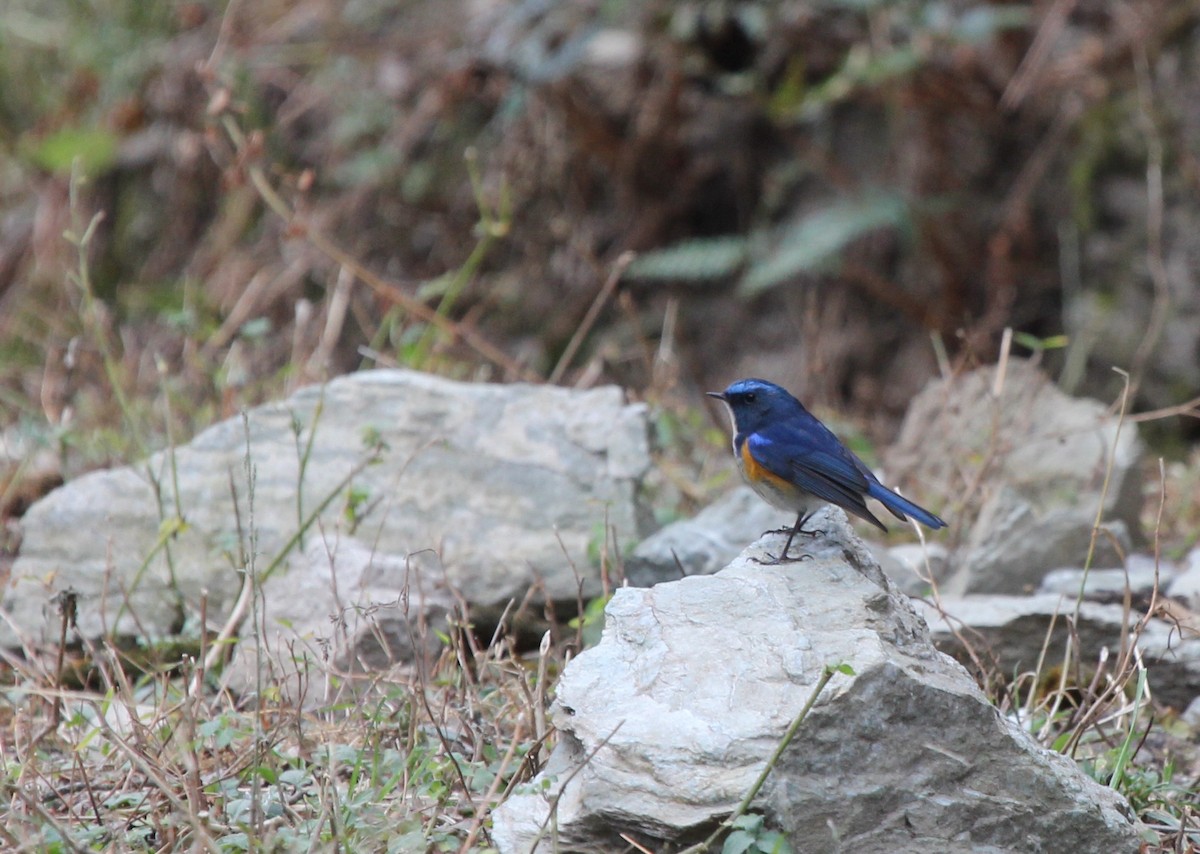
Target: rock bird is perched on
795, 463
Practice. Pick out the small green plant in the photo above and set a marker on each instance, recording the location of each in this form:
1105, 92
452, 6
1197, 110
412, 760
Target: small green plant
742, 809
767, 258
749, 833
1034, 344
590, 624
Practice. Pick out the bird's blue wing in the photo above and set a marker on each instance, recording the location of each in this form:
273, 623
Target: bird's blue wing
813, 459
797, 458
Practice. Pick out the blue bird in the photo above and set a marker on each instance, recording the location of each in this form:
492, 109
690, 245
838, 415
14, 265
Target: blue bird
795, 463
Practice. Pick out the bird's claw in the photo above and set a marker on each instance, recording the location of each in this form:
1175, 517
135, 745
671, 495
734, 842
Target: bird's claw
772, 560
787, 529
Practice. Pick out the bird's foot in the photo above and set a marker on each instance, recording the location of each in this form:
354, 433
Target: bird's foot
788, 529
772, 560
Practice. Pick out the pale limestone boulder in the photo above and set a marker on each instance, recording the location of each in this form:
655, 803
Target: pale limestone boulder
668, 721
505, 485
1028, 465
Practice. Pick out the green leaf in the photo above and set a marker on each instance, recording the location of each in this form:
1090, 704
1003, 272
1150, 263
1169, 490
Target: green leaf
737, 842
95, 148
844, 668
591, 620
1125, 754
691, 260
255, 329
773, 842
750, 821
172, 526
856, 5
863, 68
266, 774
436, 287
1037, 345
816, 242
982, 23
413, 840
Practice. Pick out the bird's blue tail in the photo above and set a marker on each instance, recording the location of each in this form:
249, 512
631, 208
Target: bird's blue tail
902, 507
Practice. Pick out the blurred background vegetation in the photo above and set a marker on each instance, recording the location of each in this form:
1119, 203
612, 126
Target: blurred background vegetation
207, 203
845, 196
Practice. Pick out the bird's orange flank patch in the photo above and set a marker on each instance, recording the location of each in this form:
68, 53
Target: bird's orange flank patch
756, 473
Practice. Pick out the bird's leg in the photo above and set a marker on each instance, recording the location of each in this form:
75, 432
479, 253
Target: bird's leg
794, 529
798, 528
800, 520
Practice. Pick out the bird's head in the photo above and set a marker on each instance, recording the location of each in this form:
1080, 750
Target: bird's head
755, 403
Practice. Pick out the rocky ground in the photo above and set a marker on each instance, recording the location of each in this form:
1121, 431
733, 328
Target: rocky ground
374, 542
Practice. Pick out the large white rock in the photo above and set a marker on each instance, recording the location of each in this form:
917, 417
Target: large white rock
506, 484
1030, 464
667, 722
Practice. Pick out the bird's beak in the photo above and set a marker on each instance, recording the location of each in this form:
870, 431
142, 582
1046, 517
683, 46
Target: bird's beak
720, 395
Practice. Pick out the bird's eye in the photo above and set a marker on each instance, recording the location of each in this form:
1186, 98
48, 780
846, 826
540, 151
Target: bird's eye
750, 396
